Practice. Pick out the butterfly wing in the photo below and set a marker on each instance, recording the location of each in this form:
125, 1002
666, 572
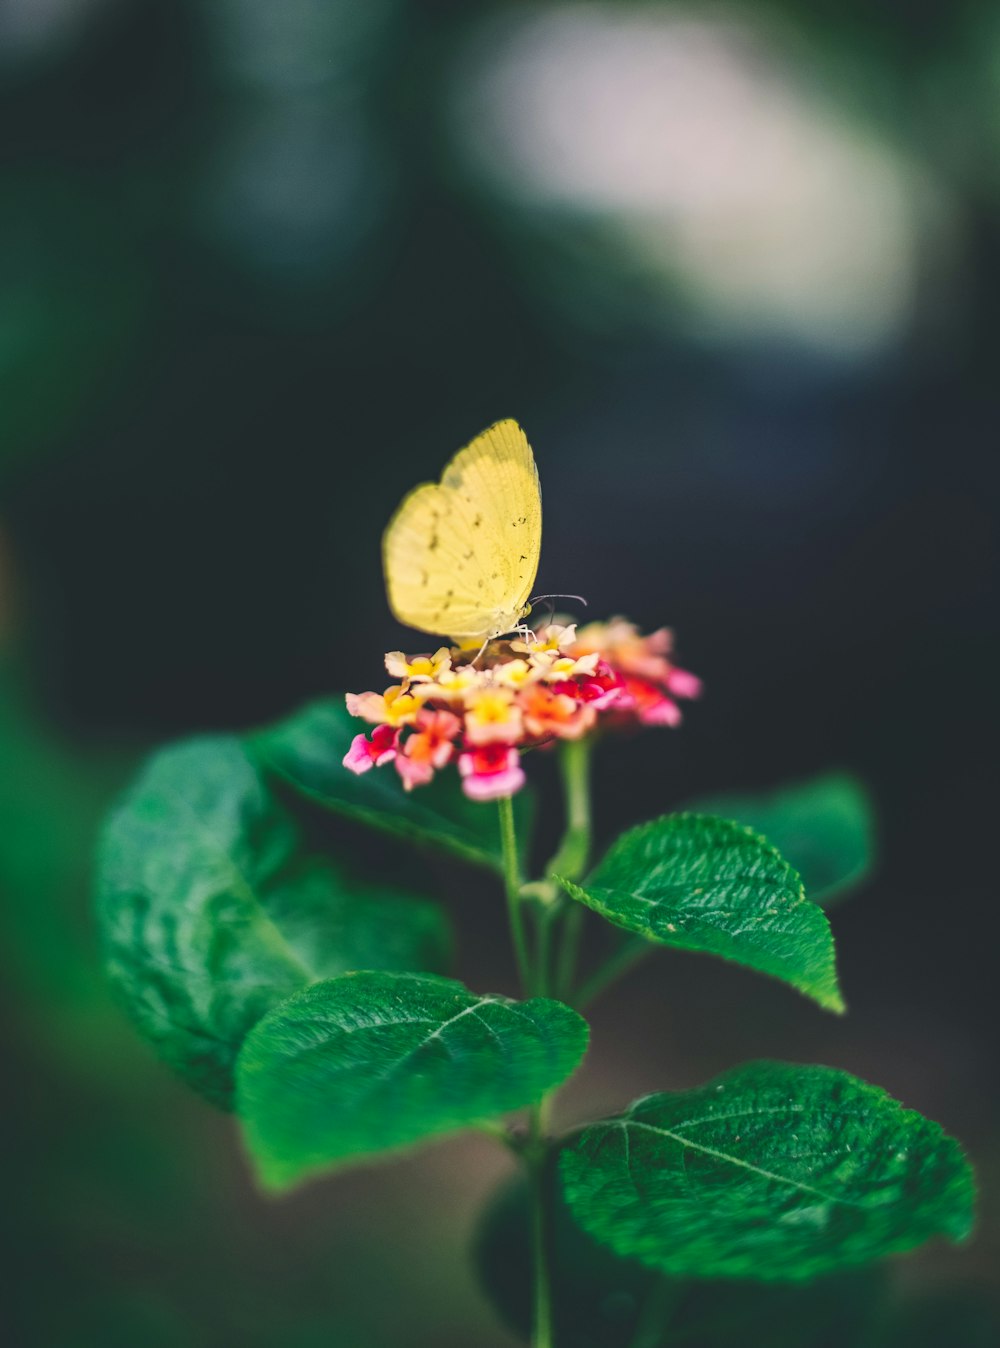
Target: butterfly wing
461, 555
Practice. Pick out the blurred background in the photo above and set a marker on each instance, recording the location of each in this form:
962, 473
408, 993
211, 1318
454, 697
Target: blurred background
264, 266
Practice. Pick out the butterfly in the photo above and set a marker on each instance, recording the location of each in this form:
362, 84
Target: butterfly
461, 555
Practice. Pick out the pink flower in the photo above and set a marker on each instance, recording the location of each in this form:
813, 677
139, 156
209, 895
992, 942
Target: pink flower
620, 643
490, 771
682, 683
602, 689
413, 771
648, 703
366, 753
427, 748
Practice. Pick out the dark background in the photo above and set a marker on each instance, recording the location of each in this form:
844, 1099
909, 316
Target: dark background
265, 266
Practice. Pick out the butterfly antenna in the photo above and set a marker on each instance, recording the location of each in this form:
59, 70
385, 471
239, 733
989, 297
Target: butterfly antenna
537, 599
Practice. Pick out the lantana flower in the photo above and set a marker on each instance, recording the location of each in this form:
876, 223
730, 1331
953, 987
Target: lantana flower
483, 709
493, 713
431, 746
419, 669
366, 753
393, 707
491, 771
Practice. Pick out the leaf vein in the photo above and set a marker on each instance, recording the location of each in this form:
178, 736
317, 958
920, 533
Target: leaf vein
800, 1185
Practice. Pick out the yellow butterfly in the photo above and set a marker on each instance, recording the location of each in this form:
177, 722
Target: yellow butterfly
461, 555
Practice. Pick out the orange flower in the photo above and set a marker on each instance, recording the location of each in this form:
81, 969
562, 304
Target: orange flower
548, 713
428, 748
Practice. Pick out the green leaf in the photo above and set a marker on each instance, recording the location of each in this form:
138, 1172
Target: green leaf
601, 1300
772, 1171
825, 828
209, 916
706, 884
372, 1062
307, 750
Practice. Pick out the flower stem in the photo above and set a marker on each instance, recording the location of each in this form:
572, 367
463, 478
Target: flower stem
543, 950
542, 1327
570, 860
500, 1133
512, 886
535, 1151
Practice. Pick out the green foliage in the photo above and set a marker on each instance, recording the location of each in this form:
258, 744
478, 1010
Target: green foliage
605, 1301
307, 750
772, 1171
372, 1062
209, 916
825, 828
706, 884
271, 980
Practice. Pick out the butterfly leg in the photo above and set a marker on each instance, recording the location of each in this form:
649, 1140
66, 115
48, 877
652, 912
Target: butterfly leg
479, 654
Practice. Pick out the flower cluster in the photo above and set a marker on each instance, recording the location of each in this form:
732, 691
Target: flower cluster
483, 709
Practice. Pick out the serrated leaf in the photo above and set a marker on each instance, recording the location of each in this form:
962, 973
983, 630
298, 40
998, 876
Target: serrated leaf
307, 750
825, 828
772, 1171
700, 883
372, 1062
209, 916
601, 1300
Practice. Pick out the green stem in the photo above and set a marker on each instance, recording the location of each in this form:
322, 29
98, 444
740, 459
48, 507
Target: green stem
500, 1133
512, 887
542, 1327
570, 861
543, 948
535, 1150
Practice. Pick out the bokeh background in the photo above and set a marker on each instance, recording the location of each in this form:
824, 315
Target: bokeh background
263, 266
